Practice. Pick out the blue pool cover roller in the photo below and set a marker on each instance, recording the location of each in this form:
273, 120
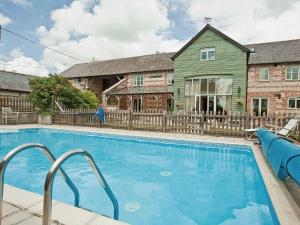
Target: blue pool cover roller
283, 156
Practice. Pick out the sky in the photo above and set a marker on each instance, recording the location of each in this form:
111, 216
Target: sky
91, 30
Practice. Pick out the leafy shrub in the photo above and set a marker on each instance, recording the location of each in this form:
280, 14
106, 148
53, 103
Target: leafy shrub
89, 100
47, 90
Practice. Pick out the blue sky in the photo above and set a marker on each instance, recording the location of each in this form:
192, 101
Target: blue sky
25, 20
94, 29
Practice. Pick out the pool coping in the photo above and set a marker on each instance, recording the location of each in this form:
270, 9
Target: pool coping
62, 213
284, 205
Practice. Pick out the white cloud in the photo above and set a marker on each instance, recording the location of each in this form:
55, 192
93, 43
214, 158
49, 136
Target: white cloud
110, 29
106, 29
19, 63
23, 3
4, 20
248, 21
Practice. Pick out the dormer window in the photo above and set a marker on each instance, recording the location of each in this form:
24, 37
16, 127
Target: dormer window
207, 54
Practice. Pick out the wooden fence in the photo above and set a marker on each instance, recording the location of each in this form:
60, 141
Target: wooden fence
24, 118
17, 103
179, 122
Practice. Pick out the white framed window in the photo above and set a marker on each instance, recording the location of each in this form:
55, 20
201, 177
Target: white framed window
207, 54
294, 103
170, 79
260, 106
138, 80
292, 73
264, 74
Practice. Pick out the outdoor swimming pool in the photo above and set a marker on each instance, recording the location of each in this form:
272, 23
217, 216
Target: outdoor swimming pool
156, 182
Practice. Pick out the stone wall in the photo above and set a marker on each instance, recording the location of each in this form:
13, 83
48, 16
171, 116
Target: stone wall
277, 89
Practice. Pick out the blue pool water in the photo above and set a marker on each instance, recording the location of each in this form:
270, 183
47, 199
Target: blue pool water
156, 182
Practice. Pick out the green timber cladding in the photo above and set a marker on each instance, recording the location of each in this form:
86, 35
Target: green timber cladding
231, 59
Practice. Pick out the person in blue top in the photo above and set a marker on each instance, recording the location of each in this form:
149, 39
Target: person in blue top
101, 114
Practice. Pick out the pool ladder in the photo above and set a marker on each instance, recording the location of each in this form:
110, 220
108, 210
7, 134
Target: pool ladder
55, 167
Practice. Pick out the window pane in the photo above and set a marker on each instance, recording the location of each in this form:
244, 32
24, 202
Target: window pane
298, 104
203, 86
211, 54
203, 55
188, 87
288, 75
255, 107
292, 103
196, 87
295, 72
170, 78
264, 74
138, 80
212, 86
224, 86
264, 107
142, 79
190, 103
221, 103
292, 73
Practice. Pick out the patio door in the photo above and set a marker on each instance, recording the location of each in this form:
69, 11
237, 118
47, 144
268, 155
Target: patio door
260, 106
205, 103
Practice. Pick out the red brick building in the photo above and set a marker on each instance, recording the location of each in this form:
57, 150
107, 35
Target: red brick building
274, 78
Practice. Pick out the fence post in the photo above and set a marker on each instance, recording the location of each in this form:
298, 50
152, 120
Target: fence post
202, 123
74, 118
164, 120
129, 119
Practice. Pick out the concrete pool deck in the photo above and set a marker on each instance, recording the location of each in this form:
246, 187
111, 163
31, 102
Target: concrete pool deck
287, 211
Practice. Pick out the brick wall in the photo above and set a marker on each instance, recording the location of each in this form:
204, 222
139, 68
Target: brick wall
277, 89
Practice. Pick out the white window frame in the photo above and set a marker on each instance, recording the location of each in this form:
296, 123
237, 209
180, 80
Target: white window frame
170, 81
286, 73
206, 51
260, 98
296, 98
138, 80
260, 74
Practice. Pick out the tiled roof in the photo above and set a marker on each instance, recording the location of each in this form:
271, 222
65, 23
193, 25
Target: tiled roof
142, 90
275, 52
15, 81
155, 62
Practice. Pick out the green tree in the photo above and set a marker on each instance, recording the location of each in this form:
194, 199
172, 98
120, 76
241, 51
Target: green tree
46, 90
89, 100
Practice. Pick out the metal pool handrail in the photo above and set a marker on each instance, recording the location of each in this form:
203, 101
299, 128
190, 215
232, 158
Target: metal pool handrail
50, 156
48, 187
